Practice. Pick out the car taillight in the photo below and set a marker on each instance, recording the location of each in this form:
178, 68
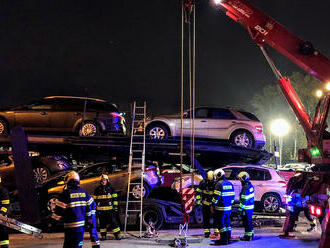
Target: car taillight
282, 183
259, 128
315, 210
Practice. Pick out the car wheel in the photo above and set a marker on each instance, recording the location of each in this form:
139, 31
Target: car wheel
136, 190
51, 203
271, 203
40, 174
89, 129
157, 131
3, 128
242, 138
152, 215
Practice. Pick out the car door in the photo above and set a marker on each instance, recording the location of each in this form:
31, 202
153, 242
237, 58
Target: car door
118, 179
257, 178
201, 123
35, 116
219, 122
66, 113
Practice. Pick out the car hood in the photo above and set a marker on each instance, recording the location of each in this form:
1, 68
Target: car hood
55, 178
174, 116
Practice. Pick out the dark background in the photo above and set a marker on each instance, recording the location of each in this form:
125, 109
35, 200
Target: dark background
123, 50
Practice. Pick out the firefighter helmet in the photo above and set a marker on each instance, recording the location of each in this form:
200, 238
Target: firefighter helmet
218, 173
243, 176
104, 176
72, 176
210, 176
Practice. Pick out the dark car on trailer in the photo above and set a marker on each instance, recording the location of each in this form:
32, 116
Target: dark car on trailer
79, 115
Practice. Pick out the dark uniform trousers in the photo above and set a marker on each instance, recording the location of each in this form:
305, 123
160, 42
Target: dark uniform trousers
73, 238
4, 205
108, 217
246, 206
223, 221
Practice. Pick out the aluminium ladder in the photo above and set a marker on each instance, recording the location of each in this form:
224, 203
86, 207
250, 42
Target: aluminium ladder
136, 164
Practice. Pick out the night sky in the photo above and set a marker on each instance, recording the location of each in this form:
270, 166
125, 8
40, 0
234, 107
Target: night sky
122, 50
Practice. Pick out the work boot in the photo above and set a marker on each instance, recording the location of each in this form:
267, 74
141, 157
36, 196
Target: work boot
117, 236
223, 239
206, 235
228, 236
311, 228
215, 235
103, 237
246, 238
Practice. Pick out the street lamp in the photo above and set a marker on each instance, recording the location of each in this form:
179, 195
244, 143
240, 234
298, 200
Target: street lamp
280, 128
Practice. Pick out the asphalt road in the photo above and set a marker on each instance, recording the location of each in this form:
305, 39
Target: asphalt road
265, 237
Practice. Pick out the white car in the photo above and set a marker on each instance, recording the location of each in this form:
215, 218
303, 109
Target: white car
269, 186
295, 167
241, 128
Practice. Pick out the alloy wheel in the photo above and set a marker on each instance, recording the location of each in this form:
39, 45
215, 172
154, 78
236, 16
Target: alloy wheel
242, 139
136, 191
40, 175
88, 129
271, 204
157, 133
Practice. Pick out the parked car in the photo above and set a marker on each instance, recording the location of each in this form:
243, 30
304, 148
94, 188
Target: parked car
80, 115
90, 178
268, 184
241, 128
43, 167
295, 167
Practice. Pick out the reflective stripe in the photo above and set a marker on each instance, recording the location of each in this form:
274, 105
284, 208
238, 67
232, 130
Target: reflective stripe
223, 208
90, 201
74, 224
223, 230
89, 213
93, 212
96, 243
102, 196
198, 190
205, 202
5, 202
114, 195
246, 207
217, 192
208, 192
246, 197
76, 204
227, 193
227, 187
198, 197
115, 203
249, 233
228, 228
81, 243
216, 230
206, 230
105, 208
60, 204
116, 230
103, 230
3, 209
56, 217
4, 242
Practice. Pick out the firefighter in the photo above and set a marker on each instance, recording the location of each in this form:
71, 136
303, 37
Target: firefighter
107, 207
4, 206
246, 205
74, 207
223, 198
204, 194
93, 228
296, 204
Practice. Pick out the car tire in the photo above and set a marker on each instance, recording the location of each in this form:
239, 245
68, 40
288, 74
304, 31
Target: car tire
157, 131
40, 174
271, 202
135, 190
89, 129
242, 138
154, 215
3, 128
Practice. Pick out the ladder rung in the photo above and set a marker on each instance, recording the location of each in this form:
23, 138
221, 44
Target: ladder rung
134, 184
138, 135
139, 107
133, 210
139, 114
137, 158
137, 150
133, 201
137, 143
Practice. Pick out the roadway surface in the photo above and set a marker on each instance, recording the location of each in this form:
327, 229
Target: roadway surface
264, 237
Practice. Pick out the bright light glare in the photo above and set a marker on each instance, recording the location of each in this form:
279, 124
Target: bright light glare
280, 127
217, 1
319, 93
327, 86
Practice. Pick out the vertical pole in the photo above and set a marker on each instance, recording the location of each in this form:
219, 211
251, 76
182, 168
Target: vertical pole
280, 139
275, 152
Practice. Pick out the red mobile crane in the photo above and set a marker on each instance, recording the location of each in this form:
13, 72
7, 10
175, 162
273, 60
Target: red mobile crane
265, 30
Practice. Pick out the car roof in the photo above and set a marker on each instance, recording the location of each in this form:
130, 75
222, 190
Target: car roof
75, 97
248, 166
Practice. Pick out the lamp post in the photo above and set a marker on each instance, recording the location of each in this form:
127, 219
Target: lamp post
280, 128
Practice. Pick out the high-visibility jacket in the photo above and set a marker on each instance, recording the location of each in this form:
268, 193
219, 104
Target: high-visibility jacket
223, 195
4, 200
106, 198
246, 197
204, 192
74, 207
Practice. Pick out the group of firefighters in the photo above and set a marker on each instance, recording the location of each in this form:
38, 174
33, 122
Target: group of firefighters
216, 195
78, 210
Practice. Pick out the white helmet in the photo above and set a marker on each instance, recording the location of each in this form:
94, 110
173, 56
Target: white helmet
72, 176
243, 176
104, 176
219, 173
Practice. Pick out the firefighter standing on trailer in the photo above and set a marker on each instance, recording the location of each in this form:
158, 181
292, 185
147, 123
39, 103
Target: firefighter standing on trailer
223, 198
246, 205
74, 207
4, 205
107, 207
204, 194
